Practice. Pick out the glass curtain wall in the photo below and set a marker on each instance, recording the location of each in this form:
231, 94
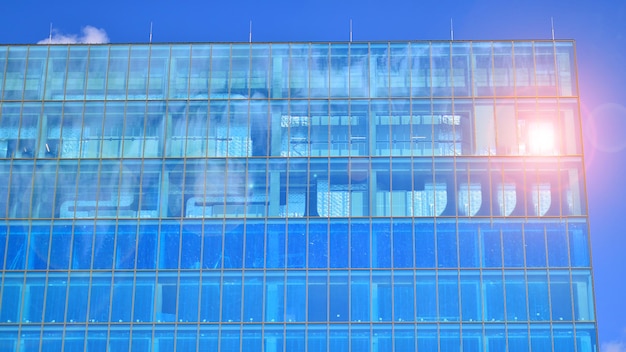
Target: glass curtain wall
293, 196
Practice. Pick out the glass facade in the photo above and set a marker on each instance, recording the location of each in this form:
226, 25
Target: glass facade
287, 197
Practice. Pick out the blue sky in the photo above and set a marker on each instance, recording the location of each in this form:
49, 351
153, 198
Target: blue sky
597, 26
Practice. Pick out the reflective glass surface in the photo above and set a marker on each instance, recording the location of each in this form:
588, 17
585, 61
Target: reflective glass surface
293, 197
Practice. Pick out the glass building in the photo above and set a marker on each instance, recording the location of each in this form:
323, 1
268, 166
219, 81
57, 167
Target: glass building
397, 196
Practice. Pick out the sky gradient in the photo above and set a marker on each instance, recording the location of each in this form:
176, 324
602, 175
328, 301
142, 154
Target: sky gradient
599, 28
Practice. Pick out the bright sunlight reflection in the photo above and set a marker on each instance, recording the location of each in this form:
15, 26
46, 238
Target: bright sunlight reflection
541, 138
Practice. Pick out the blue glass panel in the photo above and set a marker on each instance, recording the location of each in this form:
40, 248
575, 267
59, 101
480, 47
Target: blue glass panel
538, 304
339, 72
191, 245
39, 242
495, 338
564, 339
166, 293
147, 246
448, 291
446, 245
424, 244
169, 245
252, 297
402, 244
515, 288
255, 238
316, 338
449, 338
296, 241
399, 72
565, 69
144, 298
472, 339
360, 244
585, 337
381, 244
427, 338
212, 253
359, 70
229, 339
518, 338
471, 300
29, 340
295, 338
33, 310
16, 247
100, 299
535, 246
557, 245
295, 305
118, 72
3, 242
339, 339
275, 251
186, 337
104, 245
15, 73
251, 339
492, 249
560, 296
233, 245
579, 246
210, 299
78, 297
360, 338
513, 245
11, 300
56, 290
318, 244
493, 296
540, 338
339, 245
274, 297
3, 61
52, 339
208, 338
426, 296
122, 301
76, 74
359, 297
142, 339
403, 296
188, 299
482, 69
545, 71
126, 244
317, 297
164, 339
379, 70
338, 296
503, 72
97, 340
179, 71
231, 298
82, 246
469, 243
319, 73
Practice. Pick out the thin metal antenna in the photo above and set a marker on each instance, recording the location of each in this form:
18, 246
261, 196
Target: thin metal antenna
451, 29
50, 36
150, 32
350, 30
250, 37
552, 22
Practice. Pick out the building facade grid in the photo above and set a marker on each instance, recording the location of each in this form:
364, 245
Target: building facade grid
293, 196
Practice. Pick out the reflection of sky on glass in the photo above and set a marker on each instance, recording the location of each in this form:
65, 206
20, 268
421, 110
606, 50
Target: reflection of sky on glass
597, 27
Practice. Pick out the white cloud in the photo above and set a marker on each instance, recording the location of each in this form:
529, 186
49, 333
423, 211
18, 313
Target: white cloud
90, 35
613, 346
